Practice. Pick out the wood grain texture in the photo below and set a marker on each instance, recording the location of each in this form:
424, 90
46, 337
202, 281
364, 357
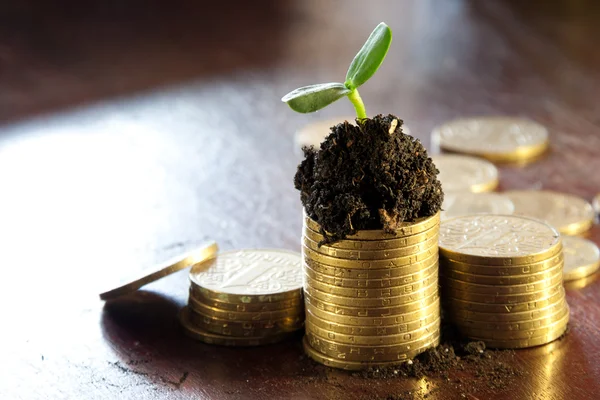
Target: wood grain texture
132, 131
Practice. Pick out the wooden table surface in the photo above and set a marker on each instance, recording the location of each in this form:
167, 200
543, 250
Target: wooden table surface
131, 132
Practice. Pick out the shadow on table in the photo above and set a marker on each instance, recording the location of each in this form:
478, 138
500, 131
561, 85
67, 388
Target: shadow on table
142, 312
143, 331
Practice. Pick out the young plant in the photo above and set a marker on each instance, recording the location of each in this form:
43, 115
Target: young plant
311, 98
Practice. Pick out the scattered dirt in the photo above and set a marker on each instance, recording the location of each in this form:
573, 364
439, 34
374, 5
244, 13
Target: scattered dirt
466, 368
479, 368
364, 177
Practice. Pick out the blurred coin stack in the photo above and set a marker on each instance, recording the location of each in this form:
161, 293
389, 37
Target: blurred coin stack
245, 298
371, 299
502, 279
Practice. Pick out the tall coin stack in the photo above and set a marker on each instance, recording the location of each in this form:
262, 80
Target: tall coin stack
502, 280
245, 298
371, 299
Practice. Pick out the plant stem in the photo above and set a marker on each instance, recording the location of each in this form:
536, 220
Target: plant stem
358, 104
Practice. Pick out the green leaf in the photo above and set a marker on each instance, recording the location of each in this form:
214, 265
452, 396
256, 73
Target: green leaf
370, 57
311, 98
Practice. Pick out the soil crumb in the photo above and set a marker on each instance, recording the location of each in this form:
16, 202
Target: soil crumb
483, 368
367, 176
466, 368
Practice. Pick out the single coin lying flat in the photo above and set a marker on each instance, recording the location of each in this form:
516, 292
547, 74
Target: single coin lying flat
183, 261
498, 240
250, 276
460, 204
570, 215
465, 174
582, 258
503, 139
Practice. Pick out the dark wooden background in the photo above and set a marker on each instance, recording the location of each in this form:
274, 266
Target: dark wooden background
133, 130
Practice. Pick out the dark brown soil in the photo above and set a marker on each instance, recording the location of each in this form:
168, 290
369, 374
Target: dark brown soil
480, 369
466, 368
364, 177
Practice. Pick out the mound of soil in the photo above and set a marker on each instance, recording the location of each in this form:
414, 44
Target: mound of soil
368, 176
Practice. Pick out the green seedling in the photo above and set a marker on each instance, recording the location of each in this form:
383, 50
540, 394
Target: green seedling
311, 98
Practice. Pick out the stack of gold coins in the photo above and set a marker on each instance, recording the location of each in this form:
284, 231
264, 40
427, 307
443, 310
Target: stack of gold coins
245, 298
371, 299
502, 279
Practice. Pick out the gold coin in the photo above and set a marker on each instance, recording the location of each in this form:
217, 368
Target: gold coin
244, 328
245, 315
570, 215
428, 277
498, 240
493, 298
372, 326
207, 337
505, 289
500, 280
244, 307
250, 276
532, 324
404, 229
481, 334
524, 270
466, 203
378, 340
370, 254
582, 258
581, 283
370, 317
531, 342
354, 365
386, 244
466, 305
501, 139
370, 283
381, 273
456, 312
465, 174
368, 264
183, 261
398, 352
393, 291
372, 302
314, 133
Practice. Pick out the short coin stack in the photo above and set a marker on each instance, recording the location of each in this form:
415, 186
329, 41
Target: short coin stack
372, 298
245, 298
502, 279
